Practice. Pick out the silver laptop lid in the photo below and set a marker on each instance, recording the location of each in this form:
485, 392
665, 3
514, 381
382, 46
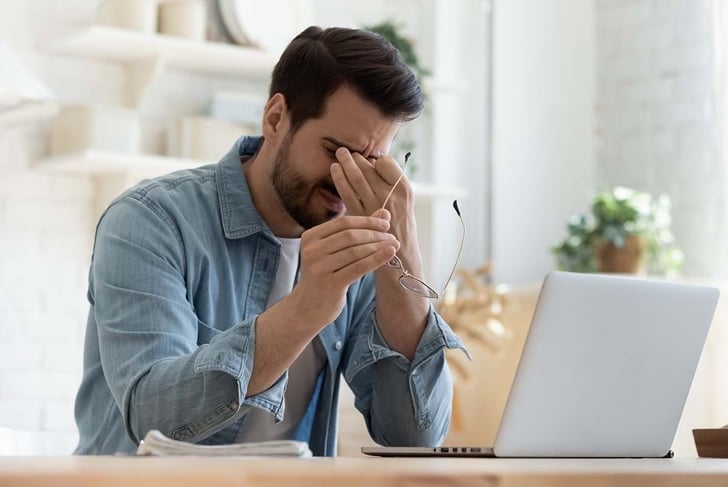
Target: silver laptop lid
606, 368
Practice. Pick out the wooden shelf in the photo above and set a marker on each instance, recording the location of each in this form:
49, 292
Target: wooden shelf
122, 45
97, 163
434, 191
146, 55
29, 112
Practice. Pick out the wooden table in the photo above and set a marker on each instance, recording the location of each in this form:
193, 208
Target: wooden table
354, 472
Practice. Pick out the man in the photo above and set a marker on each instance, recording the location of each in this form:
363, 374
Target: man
204, 322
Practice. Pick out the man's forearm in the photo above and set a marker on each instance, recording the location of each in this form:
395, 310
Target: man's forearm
422, 415
401, 315
210, 400
280, 337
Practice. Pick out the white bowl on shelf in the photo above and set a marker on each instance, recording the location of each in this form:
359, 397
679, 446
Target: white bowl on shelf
269, 25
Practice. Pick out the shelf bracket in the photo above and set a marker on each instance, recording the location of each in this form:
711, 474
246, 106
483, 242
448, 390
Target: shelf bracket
139, 75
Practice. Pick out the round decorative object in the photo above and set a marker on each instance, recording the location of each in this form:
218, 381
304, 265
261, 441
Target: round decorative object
269, 25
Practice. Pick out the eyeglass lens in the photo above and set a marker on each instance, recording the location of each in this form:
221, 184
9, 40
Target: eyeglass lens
416, 286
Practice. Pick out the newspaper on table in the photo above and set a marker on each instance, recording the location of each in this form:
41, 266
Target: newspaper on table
157, 444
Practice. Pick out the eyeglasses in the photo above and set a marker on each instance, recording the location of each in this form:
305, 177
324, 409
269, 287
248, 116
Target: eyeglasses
413, 284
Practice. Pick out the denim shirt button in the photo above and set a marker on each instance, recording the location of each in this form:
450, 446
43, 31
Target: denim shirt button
338, 345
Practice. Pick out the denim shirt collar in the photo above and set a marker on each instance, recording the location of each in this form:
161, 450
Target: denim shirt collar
239, 216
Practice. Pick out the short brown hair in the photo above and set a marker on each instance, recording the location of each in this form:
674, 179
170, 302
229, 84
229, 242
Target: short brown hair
318, 61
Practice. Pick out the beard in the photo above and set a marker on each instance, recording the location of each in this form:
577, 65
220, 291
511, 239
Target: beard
295, 193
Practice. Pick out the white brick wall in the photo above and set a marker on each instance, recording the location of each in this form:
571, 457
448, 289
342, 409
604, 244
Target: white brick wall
46, 229
658, 116
44, 247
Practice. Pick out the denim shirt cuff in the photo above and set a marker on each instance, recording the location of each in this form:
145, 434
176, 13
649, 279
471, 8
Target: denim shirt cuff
436, 336
233, 352
271, 399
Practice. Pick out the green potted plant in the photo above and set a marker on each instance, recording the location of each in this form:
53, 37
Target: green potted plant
627, 231
391, 31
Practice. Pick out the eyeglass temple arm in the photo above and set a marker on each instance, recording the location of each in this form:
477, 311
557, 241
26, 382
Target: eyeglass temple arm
454, 205
460, 250
404, 166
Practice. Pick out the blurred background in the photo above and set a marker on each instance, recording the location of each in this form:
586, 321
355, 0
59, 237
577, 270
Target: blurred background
566, 129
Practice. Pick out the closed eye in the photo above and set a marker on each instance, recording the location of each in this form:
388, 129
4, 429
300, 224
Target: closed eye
331, 153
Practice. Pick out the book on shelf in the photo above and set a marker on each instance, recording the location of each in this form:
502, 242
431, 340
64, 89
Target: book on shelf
157, 444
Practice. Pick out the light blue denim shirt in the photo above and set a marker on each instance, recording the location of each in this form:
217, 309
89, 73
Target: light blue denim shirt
182, 266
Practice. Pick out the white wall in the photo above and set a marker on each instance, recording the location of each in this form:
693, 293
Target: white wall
660, 131
658, 71
459, 135
543, 123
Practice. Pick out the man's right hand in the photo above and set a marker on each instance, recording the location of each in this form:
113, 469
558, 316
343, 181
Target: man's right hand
334, 255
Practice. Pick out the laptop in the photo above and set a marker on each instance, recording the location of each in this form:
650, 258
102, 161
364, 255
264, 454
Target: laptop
605, 370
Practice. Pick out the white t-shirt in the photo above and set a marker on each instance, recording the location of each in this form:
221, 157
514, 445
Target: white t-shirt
260, 425
287, 269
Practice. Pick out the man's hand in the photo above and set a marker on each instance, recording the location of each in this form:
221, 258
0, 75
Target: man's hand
363, 186
334, 255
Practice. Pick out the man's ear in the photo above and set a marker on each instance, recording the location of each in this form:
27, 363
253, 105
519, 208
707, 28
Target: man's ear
275, 117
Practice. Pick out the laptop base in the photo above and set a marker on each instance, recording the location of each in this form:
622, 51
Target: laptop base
449, 451
425, 451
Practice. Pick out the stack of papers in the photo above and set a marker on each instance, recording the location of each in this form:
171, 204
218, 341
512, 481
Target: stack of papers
156, 443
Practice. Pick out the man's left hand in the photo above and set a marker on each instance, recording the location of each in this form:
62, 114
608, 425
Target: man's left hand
363, 185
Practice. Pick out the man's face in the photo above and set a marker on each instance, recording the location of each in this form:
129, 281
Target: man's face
300, 173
